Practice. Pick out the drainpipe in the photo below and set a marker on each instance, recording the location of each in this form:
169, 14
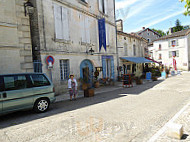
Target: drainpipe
116, 43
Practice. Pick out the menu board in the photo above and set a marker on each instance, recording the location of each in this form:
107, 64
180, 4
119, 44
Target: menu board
127, 79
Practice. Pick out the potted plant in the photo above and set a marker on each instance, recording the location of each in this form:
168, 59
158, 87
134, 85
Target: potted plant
138, 75
96, 81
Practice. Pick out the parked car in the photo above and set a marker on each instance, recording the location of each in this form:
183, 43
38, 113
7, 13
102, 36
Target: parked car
25, 91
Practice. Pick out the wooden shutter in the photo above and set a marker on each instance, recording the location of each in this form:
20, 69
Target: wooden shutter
87, 29
177, 53
177, 42
82, 29
58, 22
170, 54
106, 6
101, 5
107, 34
169, 43
65, 23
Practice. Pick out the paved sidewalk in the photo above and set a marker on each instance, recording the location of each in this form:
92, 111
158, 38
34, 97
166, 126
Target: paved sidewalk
97, 91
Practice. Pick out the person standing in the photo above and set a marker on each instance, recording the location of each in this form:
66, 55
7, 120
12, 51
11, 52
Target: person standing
72, 85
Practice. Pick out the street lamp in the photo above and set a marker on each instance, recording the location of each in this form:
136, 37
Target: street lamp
28, 8
91, 51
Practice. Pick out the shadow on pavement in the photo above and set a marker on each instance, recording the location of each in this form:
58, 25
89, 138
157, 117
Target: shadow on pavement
65, 106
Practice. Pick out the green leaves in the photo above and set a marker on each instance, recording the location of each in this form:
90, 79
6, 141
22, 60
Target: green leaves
187, 6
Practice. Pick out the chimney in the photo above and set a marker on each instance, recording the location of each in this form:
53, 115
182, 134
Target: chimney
119, 24
143, 28
170, 31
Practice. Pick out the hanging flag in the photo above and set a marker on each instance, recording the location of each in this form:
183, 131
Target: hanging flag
102, 34
174, 64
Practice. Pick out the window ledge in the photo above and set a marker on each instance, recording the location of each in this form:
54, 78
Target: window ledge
83, 3
106, 15
63, 41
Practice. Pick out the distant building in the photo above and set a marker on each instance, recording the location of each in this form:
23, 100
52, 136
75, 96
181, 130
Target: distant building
171, 49
148, 34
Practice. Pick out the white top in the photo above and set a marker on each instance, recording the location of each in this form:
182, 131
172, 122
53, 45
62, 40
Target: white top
69, 84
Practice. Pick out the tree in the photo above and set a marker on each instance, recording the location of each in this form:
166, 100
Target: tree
187, 6
162, 33
178, 26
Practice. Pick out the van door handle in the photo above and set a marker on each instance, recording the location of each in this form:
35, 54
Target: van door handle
4, 95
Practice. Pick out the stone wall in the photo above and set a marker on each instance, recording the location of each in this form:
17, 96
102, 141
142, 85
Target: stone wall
15, 40
73, 49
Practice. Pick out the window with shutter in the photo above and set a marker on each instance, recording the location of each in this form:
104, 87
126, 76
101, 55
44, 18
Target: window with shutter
65, 23
106, 6
170, 54
177, 42
87, 29
169, 43
177, 53
58, 22
82, 27
61, 22
101, 5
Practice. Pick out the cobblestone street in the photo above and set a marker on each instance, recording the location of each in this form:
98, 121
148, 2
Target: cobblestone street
125, 114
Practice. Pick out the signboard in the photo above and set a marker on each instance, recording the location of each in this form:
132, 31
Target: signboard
50, 59
148, 76
127, 79
163, 74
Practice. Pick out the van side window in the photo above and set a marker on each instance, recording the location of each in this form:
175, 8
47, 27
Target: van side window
1, 84
39, 80
15, 82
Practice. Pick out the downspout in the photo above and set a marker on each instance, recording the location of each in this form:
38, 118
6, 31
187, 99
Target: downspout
116, 43
43, 24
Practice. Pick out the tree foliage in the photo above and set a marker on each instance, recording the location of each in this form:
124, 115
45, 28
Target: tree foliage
187, 6
162, 33
178, 26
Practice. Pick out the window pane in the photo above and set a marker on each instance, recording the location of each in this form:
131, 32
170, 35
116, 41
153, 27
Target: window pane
15, 82
9, 83
39, 80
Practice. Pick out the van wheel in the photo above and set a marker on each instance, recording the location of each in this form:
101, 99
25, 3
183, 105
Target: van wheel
41, 105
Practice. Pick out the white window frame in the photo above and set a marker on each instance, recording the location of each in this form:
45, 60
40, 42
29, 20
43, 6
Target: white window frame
64, 69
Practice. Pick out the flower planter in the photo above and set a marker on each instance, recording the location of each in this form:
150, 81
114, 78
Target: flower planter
138, 81
89, 93
97, 84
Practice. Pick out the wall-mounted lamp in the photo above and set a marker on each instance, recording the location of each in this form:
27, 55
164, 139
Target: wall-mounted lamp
91, 51
28, 8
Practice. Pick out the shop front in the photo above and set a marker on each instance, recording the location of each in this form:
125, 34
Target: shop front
131, 65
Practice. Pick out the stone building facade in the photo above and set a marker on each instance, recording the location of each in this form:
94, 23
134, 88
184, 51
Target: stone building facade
15, 39
173, 48
148, 34
69, 31
130, 45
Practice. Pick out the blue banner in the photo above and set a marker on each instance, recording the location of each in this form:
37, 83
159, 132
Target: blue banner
102, 33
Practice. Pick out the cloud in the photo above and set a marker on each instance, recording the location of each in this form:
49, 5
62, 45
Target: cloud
124, 3
159, 20
164, 18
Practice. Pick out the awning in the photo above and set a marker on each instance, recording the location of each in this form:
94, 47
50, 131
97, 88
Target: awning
136, 59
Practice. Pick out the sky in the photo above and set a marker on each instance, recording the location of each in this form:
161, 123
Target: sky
158, 14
